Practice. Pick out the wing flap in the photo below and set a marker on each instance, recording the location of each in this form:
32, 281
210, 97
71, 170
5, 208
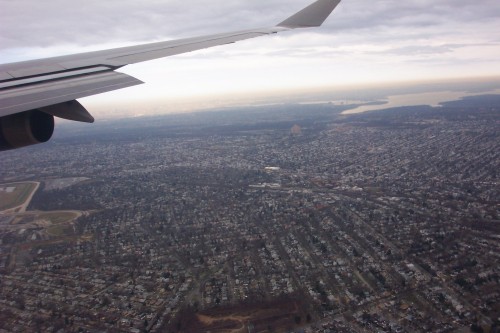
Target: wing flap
22, 98
5, 76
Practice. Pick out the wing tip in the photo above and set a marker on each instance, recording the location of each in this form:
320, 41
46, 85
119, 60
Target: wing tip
312, 16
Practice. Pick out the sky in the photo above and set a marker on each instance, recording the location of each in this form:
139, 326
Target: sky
362, 43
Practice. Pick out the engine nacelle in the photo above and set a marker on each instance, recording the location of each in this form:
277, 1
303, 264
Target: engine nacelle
25, 129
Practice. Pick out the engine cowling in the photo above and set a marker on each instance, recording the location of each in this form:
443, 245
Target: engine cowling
25, 129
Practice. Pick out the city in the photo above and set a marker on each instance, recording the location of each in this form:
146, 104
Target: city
292, 218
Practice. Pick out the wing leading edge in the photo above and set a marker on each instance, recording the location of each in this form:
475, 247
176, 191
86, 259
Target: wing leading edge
49, 85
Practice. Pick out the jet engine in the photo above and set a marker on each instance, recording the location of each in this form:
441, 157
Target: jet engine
25, 129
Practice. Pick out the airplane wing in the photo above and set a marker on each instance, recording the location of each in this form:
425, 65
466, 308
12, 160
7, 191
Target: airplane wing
49, 87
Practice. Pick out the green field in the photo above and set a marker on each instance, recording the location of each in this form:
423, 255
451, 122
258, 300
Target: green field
60, 230
17, 197
58, 217
56, 223
61, 225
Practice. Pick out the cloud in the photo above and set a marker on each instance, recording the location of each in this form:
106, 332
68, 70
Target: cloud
34, 23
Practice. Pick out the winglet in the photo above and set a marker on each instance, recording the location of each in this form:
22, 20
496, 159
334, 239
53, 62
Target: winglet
312, 16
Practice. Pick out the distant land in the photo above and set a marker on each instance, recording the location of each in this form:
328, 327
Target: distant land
397, 93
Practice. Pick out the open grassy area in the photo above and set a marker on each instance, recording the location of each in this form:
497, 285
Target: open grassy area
57, 224
58, 217
280, 315
52, 218
60, 221
17, 197
60, 230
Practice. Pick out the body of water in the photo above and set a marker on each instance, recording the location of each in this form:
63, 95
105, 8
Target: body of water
429, 98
